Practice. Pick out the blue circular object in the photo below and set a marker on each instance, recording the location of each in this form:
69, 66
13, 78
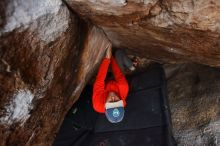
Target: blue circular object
116, 113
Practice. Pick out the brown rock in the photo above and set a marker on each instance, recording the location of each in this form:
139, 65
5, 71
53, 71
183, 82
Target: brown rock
47, 56
165, 31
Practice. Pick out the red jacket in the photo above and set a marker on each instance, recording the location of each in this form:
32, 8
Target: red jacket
101, 89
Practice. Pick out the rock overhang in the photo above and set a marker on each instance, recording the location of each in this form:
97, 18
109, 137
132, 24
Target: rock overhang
166, 31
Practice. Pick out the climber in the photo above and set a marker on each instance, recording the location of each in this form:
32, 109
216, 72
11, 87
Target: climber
110, 98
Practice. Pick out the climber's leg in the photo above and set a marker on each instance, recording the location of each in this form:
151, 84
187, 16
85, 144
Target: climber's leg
123, 60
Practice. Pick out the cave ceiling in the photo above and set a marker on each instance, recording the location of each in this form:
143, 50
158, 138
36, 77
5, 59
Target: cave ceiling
170, 31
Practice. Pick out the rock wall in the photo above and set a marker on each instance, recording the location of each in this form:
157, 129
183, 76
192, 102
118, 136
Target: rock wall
171, 31
195, 100
47, 56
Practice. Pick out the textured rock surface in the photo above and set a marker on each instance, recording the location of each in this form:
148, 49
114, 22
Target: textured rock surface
167, 31
47, 55
195, 101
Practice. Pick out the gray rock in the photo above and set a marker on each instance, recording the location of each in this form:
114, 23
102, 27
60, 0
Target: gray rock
195, 100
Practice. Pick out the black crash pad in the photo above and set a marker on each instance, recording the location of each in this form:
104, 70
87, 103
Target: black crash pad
146, 122
138, 106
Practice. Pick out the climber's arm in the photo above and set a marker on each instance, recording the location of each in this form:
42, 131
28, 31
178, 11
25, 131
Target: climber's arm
99, 94
120, 79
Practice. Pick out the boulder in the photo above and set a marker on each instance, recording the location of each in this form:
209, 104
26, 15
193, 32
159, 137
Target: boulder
173, 31
47, 56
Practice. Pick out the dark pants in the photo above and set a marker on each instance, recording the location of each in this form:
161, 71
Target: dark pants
124, 62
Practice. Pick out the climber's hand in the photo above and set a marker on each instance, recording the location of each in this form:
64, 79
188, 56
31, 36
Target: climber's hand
109, 52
